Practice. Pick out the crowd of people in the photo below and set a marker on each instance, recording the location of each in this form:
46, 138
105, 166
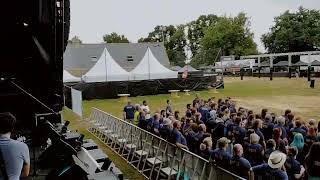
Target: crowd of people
238, 140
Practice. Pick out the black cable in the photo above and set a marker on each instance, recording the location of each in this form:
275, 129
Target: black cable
34, 98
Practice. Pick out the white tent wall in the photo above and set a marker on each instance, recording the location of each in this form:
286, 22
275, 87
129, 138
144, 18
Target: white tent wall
150, 68
106, 69
67, 77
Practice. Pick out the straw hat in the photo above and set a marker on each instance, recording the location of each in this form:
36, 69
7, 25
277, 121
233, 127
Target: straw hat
277, 159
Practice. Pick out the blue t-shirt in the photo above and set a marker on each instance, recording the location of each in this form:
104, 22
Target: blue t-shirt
239, 134
283, 130
293, 131
15, 154
267, 130
179, 138
240, 166
156, 124
129, 110
292, 167
260, 134
222, 158
254, 154
265, 172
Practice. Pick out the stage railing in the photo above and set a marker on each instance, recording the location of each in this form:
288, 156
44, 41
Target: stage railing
151, 155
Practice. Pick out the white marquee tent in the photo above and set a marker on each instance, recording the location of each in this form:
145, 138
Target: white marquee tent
67, 77
106, 69
150, 68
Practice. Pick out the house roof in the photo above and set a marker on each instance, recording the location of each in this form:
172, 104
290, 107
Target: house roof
80, 56
300, 63
281, 63
175, 68
189, 68
315, 63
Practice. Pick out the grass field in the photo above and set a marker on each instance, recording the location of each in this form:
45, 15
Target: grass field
252, 93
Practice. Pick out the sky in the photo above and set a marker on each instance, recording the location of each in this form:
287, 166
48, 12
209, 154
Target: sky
91, 19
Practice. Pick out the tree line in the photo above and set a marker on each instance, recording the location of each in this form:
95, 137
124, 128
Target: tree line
210, 36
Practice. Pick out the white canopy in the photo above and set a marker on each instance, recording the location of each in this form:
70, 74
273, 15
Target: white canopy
106, 69
150, 68
67, 77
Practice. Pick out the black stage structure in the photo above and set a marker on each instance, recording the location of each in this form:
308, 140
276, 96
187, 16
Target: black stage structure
34, 35
106, 90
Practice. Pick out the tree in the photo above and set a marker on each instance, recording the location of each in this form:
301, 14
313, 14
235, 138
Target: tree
228, 36
294, 32
196, 30
115, 38
174, 41
75, 39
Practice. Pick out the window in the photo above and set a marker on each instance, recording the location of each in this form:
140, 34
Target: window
129, 58
94, 58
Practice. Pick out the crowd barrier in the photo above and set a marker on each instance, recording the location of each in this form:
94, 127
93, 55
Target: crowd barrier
151, 155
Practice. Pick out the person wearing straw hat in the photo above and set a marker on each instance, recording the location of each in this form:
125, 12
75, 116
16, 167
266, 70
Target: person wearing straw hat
274, 169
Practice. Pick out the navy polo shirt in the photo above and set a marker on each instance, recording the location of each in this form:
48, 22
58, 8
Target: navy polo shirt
239, 134
260, 134
179, 138
254, 154
284, 131
292, 167
129, 110
222, 158
240, 166
264, 170
298, 130
267, 130
267, 153
156, 124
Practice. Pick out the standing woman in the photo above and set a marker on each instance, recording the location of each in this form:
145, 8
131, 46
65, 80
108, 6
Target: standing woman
298, 141
312, 162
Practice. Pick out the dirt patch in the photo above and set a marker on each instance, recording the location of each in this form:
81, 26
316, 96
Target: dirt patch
304, 106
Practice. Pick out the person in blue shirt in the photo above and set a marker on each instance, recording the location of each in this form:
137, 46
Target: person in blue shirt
220, 154
257, 125
298, 141
177, 137
280, 122
165, 128
206, 148
293, 167
204, 111
156, 124
238, 132
273, 169
238, 164
255, 151
271, 146
128, 112
15, 154
267, 127
296, 129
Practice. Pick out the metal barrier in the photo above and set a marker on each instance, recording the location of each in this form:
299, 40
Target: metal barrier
151, 155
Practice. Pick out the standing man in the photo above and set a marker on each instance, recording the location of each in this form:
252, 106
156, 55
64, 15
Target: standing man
145, 107
238, 164
15, 154
169, 110
128, 112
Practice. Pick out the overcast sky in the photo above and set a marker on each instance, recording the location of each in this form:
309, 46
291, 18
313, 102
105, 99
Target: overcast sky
91, 19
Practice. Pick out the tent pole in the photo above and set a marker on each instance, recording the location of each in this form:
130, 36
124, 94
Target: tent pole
148, 62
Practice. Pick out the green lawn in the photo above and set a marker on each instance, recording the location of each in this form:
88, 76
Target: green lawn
253, 93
